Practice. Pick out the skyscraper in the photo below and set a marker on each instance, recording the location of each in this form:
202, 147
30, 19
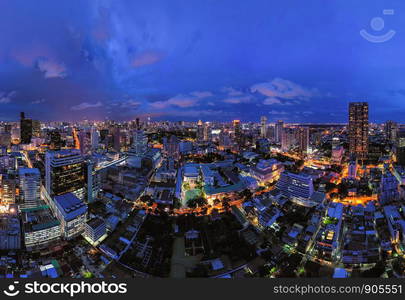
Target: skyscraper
55, 140
30, 183
7, 189
139, 143
263, 127
85, 141
400, 149
288, 138
171, 147
207, 132
358, 129
36, 128
391, 131
303, 139
388, 188
279, 131
25, 129
237, 131
94, 137
117, 139
64, 172
200, 131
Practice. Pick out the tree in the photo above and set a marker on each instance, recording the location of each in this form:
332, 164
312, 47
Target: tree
246, 194
176, 203
375, 271
146, 199
196, 202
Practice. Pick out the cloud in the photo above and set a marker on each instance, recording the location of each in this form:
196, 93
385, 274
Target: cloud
147, 58
282, 89
182, 101
238, 100
86, 105
7, 97
231, 91
130, 104
271, 100
278, 112
39, 101
201, 95
194, 113
51, 68
179, 101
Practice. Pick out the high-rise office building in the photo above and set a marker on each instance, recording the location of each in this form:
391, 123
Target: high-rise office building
352, 169
391, 131
25, 129
303, 139
36, 128
279, 131
139, 144
388, 188
64, 172
224, 139
5, 139
200, 131
117, 139
295, 185
140, 141
400, 149
7, 189
55, 140
207, 132
263, 127
30, 184
85, 141
171, 147
335, 142
358, 129
94, 137
288, 138
263, 145
237, 131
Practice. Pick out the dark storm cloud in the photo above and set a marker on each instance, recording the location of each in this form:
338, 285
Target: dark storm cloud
198, 59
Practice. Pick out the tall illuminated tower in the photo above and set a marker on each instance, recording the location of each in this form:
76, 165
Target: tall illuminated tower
238, 131
263, 126
358, 129
279, 131
200, 131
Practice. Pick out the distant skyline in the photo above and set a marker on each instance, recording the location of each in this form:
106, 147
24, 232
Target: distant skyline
216, 60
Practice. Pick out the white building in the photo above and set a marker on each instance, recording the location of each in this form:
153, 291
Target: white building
30, 183
190, 174
40, 228
94, 229
72, 214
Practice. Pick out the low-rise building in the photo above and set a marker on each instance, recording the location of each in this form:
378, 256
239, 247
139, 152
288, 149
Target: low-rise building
267, 170
95, 229
10, 237
40, 227
72, 214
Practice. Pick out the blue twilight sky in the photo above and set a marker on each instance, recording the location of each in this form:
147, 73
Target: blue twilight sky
300, 61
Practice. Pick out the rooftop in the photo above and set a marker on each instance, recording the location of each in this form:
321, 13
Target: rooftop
95, 223
23, 171
70, 205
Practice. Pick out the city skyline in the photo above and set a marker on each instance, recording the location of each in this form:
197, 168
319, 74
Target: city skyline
214, 61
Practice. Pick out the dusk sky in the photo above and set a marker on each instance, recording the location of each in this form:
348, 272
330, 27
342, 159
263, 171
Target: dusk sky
300, 61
